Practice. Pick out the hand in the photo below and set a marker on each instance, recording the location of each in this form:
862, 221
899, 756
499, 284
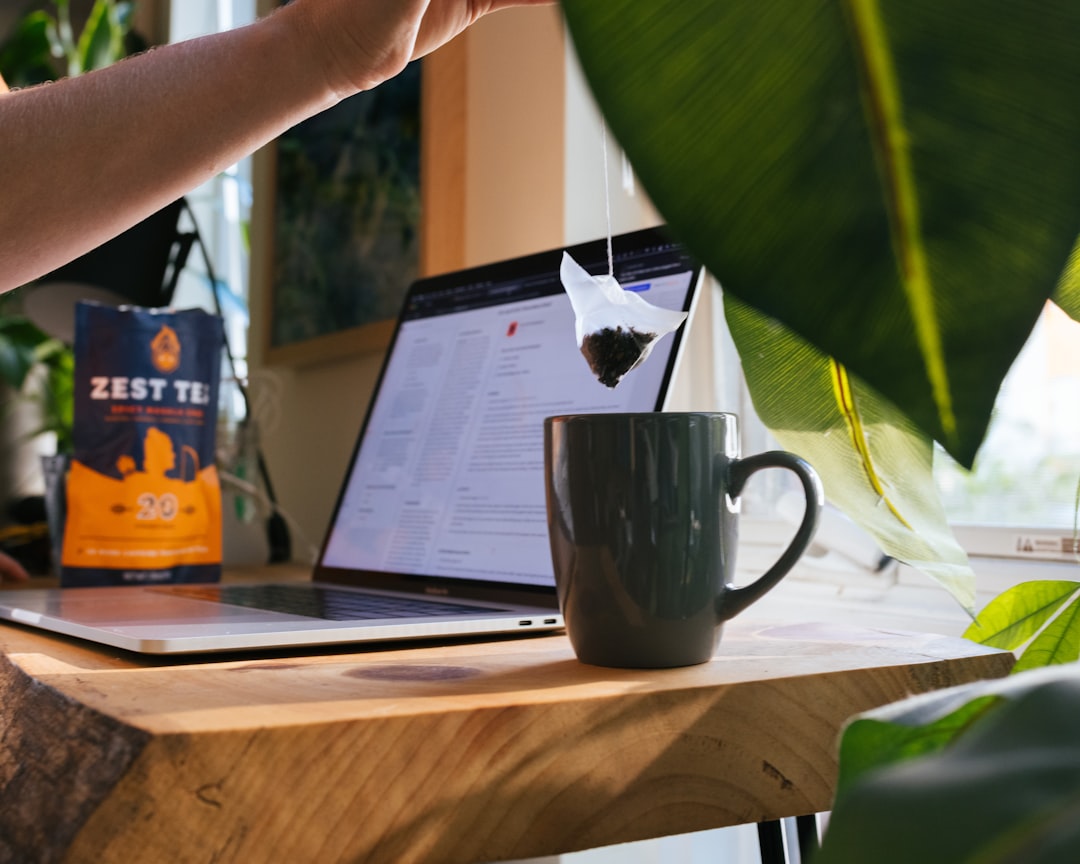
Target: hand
203, 104
369, 41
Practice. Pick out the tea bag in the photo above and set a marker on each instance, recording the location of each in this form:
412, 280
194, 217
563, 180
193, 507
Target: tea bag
616, 329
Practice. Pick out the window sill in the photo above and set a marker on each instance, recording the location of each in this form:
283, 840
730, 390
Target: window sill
830, 589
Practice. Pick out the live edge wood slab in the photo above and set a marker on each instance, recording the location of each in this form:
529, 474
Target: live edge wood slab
459, 752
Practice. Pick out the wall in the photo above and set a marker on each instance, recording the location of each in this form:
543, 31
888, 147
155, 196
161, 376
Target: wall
514, 135
509, 201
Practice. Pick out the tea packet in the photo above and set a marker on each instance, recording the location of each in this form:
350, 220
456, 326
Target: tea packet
616, 329
143, 501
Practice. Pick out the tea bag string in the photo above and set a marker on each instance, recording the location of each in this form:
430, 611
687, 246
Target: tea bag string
607, 197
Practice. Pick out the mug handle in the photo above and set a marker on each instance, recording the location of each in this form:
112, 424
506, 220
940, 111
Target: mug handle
735, 600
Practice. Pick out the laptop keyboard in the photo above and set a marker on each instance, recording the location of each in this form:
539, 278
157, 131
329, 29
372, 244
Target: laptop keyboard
314, 601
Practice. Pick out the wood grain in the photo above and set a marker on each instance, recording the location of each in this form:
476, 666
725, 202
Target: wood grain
460, 752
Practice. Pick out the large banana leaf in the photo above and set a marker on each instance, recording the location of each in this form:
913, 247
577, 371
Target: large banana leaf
875, 465
898, 181
1067, 295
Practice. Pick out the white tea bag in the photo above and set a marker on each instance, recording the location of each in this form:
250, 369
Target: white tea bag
616, 329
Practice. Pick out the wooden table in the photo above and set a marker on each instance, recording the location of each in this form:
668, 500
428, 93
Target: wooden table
460, 752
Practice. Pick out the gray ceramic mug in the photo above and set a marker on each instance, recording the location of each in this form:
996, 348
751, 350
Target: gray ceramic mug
643, 521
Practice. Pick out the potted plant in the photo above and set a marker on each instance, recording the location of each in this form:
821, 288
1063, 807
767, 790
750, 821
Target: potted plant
889, 195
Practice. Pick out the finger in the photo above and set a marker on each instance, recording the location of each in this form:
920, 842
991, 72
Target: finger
11, 569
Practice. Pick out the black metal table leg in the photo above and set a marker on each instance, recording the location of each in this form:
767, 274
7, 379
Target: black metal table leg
771, 842
806, 826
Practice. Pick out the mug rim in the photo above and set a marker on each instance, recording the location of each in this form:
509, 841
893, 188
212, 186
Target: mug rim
623, 415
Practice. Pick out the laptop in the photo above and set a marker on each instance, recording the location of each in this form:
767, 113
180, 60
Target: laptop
440, 528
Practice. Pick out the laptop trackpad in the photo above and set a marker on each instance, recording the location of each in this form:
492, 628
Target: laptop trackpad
330, 603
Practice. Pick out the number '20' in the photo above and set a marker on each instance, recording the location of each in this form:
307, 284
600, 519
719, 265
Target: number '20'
153, 506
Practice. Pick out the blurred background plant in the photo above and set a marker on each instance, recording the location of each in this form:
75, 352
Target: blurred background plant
47, 44
38, 368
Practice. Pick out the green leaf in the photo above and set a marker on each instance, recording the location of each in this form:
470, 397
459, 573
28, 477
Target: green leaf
1067, 295
15, 363
25, 58
58, 396
874, 464
1058, 643
1017, 614
869, 743
1007, 789
102, 40
19, 339
62, 38
885, 179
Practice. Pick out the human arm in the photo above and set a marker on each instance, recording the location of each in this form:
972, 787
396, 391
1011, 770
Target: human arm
85, 158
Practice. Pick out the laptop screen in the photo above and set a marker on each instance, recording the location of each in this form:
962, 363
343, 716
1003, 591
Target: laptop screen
447, 477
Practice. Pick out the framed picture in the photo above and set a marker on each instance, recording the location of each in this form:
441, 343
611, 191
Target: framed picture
342, 212
337, 228
341, 219
345, 222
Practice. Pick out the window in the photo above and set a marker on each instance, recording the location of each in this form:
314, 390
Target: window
220, 213
221, 207
1021, 499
